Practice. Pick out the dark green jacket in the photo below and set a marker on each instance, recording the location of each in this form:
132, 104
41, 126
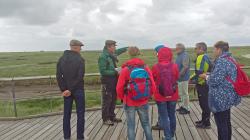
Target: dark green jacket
106, 64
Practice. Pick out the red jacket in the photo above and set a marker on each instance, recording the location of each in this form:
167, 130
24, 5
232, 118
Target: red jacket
164, 57
125, 76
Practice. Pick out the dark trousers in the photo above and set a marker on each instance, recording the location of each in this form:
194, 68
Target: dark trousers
108, 97
223, 123
79, 98
202, 91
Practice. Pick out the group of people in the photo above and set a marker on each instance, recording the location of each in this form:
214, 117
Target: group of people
134, 83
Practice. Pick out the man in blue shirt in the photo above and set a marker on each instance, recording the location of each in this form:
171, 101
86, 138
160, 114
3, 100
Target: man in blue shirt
183, 62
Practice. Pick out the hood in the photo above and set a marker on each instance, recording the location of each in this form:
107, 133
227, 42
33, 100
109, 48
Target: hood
165, 55
226, 54
133, 62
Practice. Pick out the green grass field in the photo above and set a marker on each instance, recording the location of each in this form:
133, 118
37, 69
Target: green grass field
43, 63
18, 64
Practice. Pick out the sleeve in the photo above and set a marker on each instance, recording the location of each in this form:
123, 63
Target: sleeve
102, 63
121, 83
59, 77
80, 75
185, 64
121, 50
218, 75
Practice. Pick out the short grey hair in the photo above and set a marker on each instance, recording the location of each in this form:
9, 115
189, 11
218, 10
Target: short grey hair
201, 45
181, 46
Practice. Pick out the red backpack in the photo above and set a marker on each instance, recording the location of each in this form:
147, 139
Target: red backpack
168, 83
139, 83
242, 83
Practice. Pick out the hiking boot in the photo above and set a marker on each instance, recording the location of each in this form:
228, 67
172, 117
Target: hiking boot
156, 127
117, 120
198, 122
184, 111
108, 122
180, 109
203, 126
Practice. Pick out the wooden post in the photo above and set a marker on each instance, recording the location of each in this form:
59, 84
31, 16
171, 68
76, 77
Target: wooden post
50, 84
13, 95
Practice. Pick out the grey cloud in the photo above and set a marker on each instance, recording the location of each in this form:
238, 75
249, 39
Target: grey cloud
165, 21
34, 12
231, 12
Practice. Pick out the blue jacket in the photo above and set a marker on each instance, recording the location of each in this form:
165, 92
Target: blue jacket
222, 95
181, 60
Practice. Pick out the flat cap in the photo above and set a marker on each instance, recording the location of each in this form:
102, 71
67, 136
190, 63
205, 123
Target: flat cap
74, 42
110, 42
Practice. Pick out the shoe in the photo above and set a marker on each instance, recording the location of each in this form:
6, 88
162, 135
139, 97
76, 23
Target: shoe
108, 122
179, 109
184, 111
198, 122
117, 120
156, 127
203, 126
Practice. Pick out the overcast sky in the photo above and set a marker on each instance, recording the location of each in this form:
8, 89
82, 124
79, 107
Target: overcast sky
34, 25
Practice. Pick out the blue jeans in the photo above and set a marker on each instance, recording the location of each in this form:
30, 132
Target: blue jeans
144, 118
167, 116
79, 98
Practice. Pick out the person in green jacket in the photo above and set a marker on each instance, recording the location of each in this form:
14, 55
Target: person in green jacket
107, 63
202, 65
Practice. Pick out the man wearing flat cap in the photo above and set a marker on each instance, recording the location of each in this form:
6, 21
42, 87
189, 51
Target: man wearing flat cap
107, 64
70, 74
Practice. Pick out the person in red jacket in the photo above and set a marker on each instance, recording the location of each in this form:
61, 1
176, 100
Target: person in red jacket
166, 74
135, 95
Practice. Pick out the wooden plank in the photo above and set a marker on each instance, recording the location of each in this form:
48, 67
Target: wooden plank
202, 132
55, 126
184, 127
113, 132
51, 127
104, 128
92, 122
34, 123
154, 119
74, 127
242, 128
59, 128
179, 135
11, 126
40, 126
210, 132
191, 126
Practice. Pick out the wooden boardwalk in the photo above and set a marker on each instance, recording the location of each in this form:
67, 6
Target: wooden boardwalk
51, 127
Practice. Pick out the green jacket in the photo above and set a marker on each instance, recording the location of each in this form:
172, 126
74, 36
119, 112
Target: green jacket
106, 64
202, 64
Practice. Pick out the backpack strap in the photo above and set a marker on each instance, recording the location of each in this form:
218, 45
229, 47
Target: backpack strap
236, 65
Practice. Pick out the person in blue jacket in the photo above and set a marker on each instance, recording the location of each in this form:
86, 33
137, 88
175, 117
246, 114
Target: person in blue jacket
222, 95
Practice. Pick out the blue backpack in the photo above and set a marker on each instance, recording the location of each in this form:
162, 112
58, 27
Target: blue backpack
139, 83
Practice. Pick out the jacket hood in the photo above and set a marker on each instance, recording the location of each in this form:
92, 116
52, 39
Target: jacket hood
165, 55
133, 62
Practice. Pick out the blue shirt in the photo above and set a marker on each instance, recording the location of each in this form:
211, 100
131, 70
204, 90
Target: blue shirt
181, 60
